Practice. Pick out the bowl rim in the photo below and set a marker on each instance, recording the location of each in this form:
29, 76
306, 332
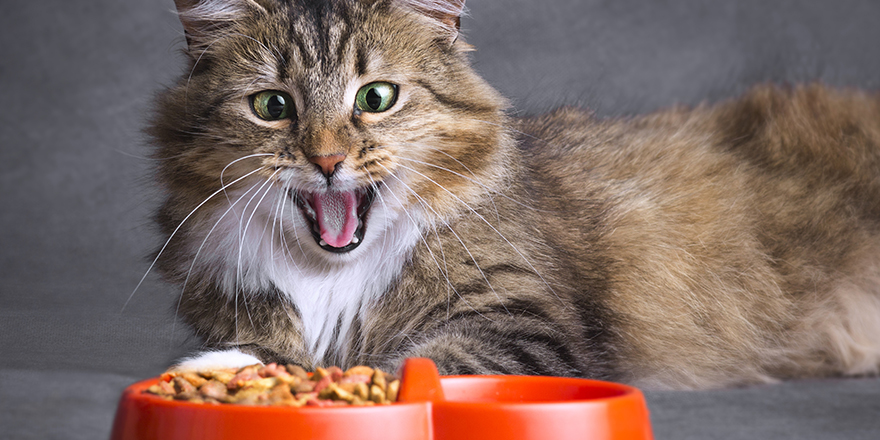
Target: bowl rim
137, 391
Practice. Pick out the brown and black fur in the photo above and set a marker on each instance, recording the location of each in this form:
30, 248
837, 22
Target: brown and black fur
691, 248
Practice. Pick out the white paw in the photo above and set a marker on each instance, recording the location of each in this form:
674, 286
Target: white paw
215, 360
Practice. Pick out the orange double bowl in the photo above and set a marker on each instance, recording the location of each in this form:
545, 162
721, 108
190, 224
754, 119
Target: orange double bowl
429, 407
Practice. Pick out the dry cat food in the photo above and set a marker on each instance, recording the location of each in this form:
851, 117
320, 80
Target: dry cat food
278, 385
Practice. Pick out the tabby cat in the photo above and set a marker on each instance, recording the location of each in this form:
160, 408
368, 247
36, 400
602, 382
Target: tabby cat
343, 188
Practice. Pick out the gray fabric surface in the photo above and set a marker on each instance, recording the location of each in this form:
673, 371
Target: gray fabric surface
76, 79
62, 405
804, 410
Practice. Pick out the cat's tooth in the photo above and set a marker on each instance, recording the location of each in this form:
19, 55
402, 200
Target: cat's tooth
355, 240
322, 243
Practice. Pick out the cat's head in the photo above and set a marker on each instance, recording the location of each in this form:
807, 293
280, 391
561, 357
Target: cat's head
340, 105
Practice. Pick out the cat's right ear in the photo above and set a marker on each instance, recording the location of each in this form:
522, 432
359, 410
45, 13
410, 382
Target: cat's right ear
203, 20
445, 13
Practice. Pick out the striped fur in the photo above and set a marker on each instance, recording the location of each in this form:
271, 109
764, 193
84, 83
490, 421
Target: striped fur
691, 248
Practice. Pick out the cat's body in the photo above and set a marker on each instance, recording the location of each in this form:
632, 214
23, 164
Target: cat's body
689, 248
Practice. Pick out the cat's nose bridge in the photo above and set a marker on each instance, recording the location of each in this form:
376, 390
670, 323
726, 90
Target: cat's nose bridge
324, 142
325, 150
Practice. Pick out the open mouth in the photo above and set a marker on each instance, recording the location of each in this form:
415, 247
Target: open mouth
337, 219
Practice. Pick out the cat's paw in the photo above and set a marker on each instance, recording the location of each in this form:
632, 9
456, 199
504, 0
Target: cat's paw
216, 360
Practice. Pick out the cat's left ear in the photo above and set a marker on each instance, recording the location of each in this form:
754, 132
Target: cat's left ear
203, 19
446, 13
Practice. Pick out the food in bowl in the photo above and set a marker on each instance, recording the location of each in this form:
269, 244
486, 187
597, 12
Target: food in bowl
280, 385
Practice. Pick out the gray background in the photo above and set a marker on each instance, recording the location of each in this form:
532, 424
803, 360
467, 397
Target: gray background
76, 81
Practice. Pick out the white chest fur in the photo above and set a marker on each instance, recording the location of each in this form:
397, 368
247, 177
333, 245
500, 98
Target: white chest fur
331, 297
259, 245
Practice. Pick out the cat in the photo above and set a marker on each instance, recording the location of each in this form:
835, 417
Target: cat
342, 188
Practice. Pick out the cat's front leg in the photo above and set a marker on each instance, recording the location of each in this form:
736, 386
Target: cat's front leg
511, 345
273, 332
216, 360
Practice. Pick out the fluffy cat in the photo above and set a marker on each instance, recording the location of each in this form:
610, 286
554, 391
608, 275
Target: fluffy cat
342, 188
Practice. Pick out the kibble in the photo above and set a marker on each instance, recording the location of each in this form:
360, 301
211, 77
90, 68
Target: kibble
277, 385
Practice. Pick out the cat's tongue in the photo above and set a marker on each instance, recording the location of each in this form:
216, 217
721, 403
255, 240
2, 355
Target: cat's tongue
337, 216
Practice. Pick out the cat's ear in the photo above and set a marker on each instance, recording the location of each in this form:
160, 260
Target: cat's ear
203, 19
445, 13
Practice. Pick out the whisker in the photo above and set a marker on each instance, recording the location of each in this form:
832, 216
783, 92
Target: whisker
530, 136
416, 224
173, 233
242, 234
494, 229
477, 265
375, 187
278, 219
253, 213
411, 219
202, 245
443, 271
249, 156
511, 129
474, 179
283, 237
147, 158
239, 287
200, 131
275, 205
469, 179
274, 217
295, 232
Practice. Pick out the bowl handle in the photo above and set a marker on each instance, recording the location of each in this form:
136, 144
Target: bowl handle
419, 381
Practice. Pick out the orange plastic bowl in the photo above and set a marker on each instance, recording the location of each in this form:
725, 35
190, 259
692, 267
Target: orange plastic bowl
429, 407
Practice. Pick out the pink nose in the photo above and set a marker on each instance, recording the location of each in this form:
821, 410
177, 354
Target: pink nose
327, 164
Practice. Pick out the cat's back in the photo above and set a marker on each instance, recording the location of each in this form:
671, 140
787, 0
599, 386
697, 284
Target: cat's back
770, 125
773, 136
730, 229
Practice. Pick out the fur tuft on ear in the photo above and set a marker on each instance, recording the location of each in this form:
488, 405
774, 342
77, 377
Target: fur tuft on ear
202, 19
446, 13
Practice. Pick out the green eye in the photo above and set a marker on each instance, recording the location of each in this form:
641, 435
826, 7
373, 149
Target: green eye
272, 105
376, 97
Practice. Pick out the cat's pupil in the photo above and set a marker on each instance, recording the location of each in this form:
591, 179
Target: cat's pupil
374, 99
275, 106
